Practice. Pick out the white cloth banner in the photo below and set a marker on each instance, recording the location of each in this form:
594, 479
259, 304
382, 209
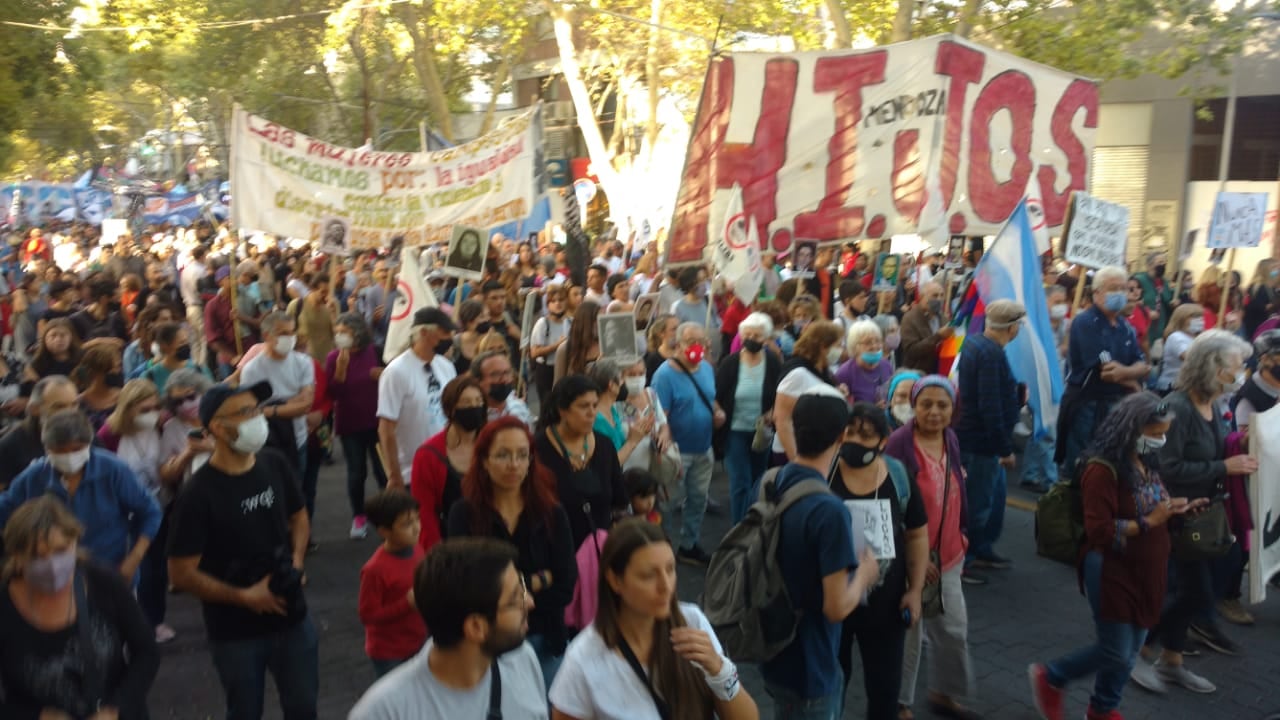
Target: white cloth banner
411, 296
1264, 491
287, 183
844, 145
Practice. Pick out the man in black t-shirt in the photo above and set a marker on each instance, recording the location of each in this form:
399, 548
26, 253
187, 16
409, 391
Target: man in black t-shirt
238, 540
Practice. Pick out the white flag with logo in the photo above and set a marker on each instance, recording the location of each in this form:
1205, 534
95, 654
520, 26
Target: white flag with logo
737, 248
1035, 213
411, 295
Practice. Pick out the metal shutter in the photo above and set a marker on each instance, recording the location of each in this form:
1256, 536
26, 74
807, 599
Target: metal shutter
1120, 176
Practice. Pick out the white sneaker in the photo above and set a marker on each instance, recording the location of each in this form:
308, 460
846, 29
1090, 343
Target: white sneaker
359, 528
1180, 675
164, 634
1145, 676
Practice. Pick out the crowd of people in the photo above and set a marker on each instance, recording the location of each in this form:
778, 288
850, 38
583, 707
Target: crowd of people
172, 399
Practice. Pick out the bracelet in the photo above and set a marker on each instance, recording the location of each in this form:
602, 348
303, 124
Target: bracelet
724, 685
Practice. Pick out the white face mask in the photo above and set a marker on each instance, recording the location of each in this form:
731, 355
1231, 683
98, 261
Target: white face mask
251, 436
343, 340
1147, 445
833, 356
1057, 312
1236, 383
147, 420
635, 385
903, 412
69, 463
1196, 326
156, 352
285, 344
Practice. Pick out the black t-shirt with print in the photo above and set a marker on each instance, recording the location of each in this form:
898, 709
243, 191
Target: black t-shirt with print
908, 518
239, 526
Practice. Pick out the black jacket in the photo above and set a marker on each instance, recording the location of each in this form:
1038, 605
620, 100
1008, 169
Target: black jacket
727, 383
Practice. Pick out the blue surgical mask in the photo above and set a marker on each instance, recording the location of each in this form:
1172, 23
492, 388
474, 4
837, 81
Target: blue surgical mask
253, 291
872, 358
1116, 301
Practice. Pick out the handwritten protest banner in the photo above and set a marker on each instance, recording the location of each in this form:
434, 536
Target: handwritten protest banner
1097, 232
1238, 219
1264, 491
287, 183
837, 145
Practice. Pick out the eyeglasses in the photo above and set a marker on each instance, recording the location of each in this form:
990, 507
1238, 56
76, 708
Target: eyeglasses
508, 458
521, 601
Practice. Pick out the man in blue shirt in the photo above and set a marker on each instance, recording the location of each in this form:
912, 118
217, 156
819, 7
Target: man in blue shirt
686, 387
825, 580
97, 486
989, 406
1106, 364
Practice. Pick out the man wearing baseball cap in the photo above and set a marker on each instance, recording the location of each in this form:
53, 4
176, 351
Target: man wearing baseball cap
237, 542
989, 408
409, 391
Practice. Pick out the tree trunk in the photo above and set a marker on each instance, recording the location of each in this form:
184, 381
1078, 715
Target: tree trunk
500, 77
428, 71
844, 33
902, 21
967, 15
651, 72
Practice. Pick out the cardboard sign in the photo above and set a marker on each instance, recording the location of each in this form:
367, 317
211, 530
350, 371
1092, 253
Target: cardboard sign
333, 236
888, 267
286, 182
840, 145
618, 337
872, 522
1237, 220
1097, 232
113, 228
467, 250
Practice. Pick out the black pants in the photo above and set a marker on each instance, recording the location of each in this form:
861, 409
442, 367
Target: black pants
544, 375
880, 633
153, 574
1228, 573
360, 449
1191, 597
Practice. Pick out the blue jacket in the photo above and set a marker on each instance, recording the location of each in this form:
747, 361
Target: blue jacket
110, 503
988, 402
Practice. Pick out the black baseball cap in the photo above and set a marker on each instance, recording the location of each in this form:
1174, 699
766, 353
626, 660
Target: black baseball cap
434, 316
215, 396
1268, 343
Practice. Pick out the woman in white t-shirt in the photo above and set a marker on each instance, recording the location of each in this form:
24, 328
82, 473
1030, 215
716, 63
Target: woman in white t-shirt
1186, 322
646, 648
816, 354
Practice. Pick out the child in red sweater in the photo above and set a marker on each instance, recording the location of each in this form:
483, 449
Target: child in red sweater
393, 629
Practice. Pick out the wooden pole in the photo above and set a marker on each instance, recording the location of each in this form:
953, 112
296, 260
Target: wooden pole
235, 310
1226, 289
1084, 275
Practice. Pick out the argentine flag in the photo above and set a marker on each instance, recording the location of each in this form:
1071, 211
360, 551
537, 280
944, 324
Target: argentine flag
1010, 270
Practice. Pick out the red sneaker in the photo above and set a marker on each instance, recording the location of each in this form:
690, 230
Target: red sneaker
1046, 698
1099, 715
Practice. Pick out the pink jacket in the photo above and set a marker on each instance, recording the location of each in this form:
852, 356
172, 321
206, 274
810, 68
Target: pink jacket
581, 611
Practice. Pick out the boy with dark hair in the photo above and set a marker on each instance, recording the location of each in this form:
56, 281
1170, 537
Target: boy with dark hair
642, 490
393, 629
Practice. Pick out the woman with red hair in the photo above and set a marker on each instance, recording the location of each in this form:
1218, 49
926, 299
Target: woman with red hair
507, 495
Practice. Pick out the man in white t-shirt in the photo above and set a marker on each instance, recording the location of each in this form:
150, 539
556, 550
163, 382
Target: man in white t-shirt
477, 640
409, 406
293, 381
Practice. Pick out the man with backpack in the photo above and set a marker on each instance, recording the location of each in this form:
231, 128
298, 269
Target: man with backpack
824, 580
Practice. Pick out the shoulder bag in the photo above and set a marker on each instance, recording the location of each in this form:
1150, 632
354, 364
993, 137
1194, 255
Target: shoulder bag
931, 594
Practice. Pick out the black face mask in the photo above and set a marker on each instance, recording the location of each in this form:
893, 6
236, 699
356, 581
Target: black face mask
623, 392
857, 455
1275, 372
444, 346
498, 392
471, 419
182, 352
1158, 271
115, 380
484, 328
752, 346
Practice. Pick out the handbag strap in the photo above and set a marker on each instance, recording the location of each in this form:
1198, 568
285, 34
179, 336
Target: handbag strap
92, 676
946, 495
495, 692
694, 381
664, 710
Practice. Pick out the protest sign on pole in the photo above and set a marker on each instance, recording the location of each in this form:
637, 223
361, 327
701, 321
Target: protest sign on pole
1264, 491
841, 145
288, 183
617, 333
1095, 235
411, 295
113, 229
1237, 220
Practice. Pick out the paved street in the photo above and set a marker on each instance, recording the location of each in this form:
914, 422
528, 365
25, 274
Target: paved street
1029, 613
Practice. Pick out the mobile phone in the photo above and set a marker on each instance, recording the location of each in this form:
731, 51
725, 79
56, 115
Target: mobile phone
195, 434
1104, 357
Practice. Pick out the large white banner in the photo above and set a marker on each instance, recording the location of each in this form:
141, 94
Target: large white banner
1264, 491
845, 145
291, 184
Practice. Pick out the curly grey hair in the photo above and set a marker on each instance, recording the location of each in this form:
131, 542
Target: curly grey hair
65, 428
361, 336
1115, 438
1210, 353
603, 372
188, 379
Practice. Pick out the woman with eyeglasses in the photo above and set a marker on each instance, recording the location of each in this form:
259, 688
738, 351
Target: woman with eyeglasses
647, 656
507, 495
1124, 566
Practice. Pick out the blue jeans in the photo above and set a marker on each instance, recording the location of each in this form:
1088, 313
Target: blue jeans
1110, 659
1088, 417
788, 705
690, 495
1038, 466
292, 657
986, 488
745, 468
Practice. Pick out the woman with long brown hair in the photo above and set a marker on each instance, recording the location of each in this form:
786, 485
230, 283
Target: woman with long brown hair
99, 376
583, 346
647, 655
816, 354
507, 495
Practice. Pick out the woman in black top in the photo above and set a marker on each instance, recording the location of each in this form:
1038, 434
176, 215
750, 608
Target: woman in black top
865, 473
73, 641
507, 495
584, 462
744, 464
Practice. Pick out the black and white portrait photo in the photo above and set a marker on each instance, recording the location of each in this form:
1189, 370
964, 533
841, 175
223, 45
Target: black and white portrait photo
802, 261
335, 236
466, 253
618, 336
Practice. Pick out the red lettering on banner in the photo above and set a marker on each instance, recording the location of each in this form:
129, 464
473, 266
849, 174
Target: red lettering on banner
1011, 90
1079, 94
715, 164
908, 177
964, 66
846, 76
